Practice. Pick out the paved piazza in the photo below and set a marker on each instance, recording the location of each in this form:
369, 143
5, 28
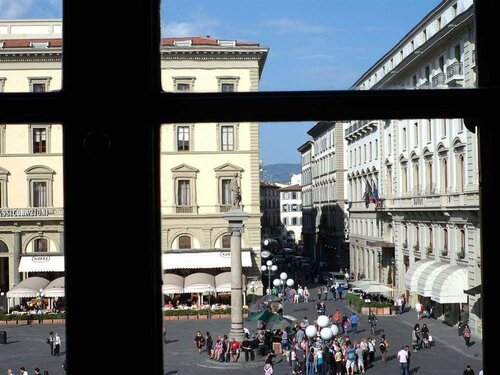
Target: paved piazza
26, 346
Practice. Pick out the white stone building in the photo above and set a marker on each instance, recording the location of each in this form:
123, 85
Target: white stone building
323, 187
426, 229
291, 213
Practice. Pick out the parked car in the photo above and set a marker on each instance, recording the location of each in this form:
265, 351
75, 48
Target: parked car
355, 291
337, 278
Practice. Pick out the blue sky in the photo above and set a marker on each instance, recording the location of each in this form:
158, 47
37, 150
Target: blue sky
314, 45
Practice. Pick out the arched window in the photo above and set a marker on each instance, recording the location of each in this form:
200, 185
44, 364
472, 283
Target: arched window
445, 239
444, 176
460, 172
3, 247
185, 242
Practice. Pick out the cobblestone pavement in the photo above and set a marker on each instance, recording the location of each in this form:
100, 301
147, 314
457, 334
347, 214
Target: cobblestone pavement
26, 346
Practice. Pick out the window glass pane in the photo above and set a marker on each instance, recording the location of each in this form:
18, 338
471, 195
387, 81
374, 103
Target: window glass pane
30, 46
32, 241
293, 46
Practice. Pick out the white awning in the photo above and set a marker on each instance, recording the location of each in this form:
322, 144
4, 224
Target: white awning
191, 260
172, 284
450, 285
427, 278
55, 288
199, 283
413, 274
42, 263
29, 287
223, 282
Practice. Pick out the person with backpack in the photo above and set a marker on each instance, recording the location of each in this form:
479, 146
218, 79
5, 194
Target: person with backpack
383, 345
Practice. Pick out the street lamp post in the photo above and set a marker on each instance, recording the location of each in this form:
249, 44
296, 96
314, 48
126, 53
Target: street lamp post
270, 268
209, 304
252, 287
284, 280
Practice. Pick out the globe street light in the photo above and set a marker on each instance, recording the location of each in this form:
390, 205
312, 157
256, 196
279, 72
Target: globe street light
269, 267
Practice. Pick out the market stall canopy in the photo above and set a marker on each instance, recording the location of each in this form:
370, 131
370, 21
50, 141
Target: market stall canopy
223, 282
206, 259
42, 263
172, 284
55, 288
29, 287
199, 283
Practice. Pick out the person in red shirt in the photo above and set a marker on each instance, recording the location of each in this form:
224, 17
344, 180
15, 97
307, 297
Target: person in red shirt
234, 348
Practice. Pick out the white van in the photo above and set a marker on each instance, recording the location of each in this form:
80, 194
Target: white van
338, 278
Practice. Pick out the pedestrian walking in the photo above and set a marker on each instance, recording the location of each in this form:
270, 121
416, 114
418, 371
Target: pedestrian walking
407, 348
354, 323
57, 344
419, 308
466, 335
426, 337
383, 347
23, 371
199, 341
416, 337
50, 341
307, 294
37, 371
403, 361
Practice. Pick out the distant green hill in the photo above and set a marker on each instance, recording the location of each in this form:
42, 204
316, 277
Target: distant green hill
280, 172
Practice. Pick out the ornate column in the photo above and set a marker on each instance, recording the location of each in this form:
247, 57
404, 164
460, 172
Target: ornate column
235, 218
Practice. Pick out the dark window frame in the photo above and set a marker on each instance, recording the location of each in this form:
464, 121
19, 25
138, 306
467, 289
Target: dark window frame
98, 153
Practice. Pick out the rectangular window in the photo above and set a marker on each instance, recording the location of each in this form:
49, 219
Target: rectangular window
376, 148
227, 138
39, 140
294, 221
39, 87
181, 86
284, 221
184, 193
404, 138
39, 194
227, 87
183, 138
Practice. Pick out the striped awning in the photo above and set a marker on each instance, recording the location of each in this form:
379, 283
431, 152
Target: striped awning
413, 274
450, 285
427, 278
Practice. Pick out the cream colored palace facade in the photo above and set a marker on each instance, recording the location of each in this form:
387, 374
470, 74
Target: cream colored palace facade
198, 161
31, 165
424, 236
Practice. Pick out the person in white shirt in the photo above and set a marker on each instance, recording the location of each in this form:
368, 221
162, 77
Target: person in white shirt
403, 361
418, 307
23, 371
57, 344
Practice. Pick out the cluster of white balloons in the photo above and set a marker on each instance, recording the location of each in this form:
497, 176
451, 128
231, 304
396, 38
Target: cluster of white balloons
326, 332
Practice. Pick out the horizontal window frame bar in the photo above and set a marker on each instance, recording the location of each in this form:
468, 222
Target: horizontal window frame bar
261, 106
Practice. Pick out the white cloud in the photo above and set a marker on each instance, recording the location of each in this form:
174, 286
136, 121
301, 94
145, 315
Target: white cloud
296, 26
14, 9
198, 23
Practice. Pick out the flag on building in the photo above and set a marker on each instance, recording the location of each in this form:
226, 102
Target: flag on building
376, 198
367, 196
